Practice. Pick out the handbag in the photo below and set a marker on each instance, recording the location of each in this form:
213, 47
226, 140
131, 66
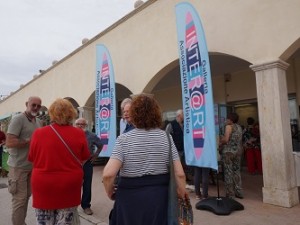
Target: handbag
185, 211
67, 146
180, 211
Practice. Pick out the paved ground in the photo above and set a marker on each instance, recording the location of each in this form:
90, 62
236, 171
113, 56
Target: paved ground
255, 212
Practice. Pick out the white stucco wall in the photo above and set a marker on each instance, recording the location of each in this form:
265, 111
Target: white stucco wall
145, 41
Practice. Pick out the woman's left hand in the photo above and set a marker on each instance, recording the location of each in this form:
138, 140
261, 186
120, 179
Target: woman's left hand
182, 193
112, 196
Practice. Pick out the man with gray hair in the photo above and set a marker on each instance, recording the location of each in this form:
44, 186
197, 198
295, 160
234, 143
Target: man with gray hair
19, 133
124, 121
93, 141
175, 128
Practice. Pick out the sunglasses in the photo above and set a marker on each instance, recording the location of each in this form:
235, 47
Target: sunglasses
80, 124
35, 105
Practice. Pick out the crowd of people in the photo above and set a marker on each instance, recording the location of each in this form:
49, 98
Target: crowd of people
54, 163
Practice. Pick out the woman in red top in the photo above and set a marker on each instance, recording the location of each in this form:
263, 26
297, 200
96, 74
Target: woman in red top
57, 171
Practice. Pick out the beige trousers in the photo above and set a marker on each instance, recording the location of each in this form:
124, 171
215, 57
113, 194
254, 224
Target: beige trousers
20, 188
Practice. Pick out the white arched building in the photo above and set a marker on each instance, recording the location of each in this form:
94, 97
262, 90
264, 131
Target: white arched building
254, 49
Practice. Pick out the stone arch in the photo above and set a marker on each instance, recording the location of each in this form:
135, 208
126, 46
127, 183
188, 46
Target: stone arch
91, 100
166, 84
291, 50
73, 101
121, 93
220, 63
156, 79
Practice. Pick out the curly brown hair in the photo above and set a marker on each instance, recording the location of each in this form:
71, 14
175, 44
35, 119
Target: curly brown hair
62, 112
145, 112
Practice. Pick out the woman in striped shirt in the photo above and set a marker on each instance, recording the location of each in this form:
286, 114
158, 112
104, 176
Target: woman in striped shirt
142, 156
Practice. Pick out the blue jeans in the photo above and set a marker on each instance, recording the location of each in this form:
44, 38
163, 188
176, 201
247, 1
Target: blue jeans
87, 185
201, 175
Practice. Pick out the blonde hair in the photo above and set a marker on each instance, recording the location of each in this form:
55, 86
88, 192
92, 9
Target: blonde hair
62, 112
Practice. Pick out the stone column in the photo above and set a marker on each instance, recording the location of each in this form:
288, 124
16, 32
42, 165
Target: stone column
276, 142
87, 113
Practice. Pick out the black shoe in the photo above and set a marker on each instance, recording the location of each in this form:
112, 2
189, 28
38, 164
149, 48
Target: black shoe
88, 211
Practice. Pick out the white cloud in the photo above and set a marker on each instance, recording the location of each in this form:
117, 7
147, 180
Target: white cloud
36, 32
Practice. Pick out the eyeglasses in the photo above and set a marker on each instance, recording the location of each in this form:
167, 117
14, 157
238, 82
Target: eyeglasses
80, 124
35, 105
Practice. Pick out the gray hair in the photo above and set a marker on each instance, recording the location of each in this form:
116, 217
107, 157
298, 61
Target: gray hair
179, 112
81, 119
125, 102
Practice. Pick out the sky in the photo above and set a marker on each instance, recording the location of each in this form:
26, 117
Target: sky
34, 33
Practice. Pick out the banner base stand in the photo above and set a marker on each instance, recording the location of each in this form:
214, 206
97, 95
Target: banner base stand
219, 205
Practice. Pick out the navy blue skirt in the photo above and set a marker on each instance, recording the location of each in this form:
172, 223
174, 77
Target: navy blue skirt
141, 201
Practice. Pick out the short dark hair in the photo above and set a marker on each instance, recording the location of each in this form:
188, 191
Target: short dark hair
234, 117
145, 112
250, 121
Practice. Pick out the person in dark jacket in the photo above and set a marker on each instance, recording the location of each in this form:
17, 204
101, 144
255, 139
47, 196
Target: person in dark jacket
175, 128
95, 146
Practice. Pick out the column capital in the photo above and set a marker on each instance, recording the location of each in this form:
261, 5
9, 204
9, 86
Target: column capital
270, 65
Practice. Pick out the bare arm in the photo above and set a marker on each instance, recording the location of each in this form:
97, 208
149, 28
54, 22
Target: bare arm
225, 138
2, 143
109, 174
180, 179
13, 141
